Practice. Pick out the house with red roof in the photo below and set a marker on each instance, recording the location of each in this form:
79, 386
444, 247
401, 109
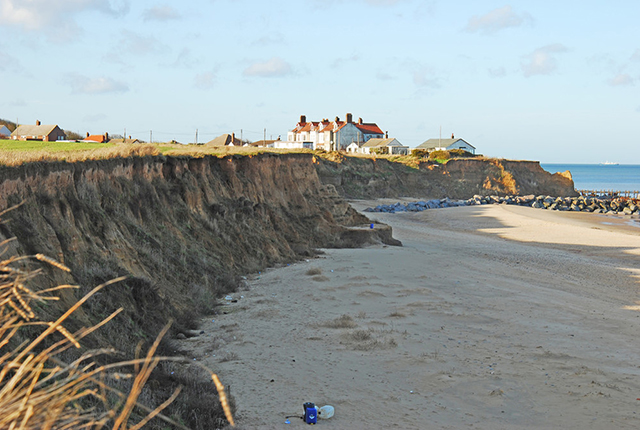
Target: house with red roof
97, 138
331, 135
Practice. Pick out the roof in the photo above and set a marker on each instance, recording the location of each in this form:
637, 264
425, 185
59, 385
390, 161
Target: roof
118, 141
377, 142
100, 138
33, 130
4, 130
225, 140
441, 143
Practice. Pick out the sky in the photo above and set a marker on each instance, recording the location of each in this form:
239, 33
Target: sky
537, 80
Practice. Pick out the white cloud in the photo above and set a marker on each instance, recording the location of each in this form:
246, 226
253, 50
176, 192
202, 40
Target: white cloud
496, 20
55, 17
137, 44
275, 67
499, 72
160, 13
354, 58
81, 84
621, 80
424, 77
205, 81
542, 61
383, 2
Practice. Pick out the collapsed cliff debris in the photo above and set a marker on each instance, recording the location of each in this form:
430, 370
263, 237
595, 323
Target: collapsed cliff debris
620, 205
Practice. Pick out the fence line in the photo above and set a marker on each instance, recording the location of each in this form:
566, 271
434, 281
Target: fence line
610, 193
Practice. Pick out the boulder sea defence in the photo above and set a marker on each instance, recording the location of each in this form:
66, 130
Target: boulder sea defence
619, 205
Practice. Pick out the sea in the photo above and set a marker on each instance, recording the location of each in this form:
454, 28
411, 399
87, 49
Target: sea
600, 177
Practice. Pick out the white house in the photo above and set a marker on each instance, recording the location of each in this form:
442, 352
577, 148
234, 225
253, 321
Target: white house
388, 145
447, 144
330, 135
4, 132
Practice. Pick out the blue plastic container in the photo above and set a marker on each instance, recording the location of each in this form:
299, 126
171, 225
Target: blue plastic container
311, 415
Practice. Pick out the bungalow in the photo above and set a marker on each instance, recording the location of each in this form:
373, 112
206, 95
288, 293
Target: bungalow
447, 144
46, 133
225, 140
98, 138
4, 132
383, 145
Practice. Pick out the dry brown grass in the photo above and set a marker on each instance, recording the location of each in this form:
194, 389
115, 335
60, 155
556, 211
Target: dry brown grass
15, 158
40, 390
343, 321
314, 271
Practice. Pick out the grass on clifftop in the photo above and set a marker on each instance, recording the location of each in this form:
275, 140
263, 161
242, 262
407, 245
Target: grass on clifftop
14, 153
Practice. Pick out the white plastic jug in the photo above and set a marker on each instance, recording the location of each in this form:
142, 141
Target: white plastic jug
326, 412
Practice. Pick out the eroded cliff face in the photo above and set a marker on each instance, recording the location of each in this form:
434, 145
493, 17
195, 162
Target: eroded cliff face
458, 179
182, 229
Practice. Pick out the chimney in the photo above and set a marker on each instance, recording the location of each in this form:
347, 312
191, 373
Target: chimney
337, 119
349, 118
360, 121
386, 134
452, 136
37, 122
87, 134
106, 137
233, 137
303, 119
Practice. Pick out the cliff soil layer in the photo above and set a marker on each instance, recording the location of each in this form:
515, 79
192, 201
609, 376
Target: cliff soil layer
359, 177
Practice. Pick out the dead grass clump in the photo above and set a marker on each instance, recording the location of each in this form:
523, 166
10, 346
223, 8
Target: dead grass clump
229, 356
368, 340
314, 271
397, 314
343, 321
320, 278
39, 389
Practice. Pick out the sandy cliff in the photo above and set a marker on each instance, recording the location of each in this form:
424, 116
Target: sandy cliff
358, 177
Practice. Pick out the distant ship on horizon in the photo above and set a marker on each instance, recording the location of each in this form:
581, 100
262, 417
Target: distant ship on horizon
609, 163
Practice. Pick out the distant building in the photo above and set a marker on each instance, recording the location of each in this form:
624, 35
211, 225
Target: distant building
128, 141
225, 140
46, 133
98, 138
330, 135
447, 144
387, 145
4, 132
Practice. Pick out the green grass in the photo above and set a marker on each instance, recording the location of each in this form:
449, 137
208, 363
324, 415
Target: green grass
35, 145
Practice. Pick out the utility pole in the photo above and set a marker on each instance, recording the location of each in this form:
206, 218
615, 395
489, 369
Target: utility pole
264, 139
241, 136
124, 138
150, 136
196, 136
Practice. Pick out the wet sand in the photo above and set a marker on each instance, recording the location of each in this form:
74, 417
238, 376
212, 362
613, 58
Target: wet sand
491, 317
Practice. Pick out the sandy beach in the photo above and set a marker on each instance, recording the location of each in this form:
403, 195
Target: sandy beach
489, 317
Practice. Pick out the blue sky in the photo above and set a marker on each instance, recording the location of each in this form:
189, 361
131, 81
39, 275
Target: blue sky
541, 80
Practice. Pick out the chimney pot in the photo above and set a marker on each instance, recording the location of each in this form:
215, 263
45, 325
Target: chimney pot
360, 121
303, 119
452, 136
349, 118
386, 134
337, 119
37, 122
87, 134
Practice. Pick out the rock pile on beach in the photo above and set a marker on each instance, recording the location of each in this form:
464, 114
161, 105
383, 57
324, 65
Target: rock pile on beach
618, 205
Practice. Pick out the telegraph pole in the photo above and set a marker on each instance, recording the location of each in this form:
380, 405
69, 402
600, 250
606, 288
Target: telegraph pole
196, 136
150, 136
